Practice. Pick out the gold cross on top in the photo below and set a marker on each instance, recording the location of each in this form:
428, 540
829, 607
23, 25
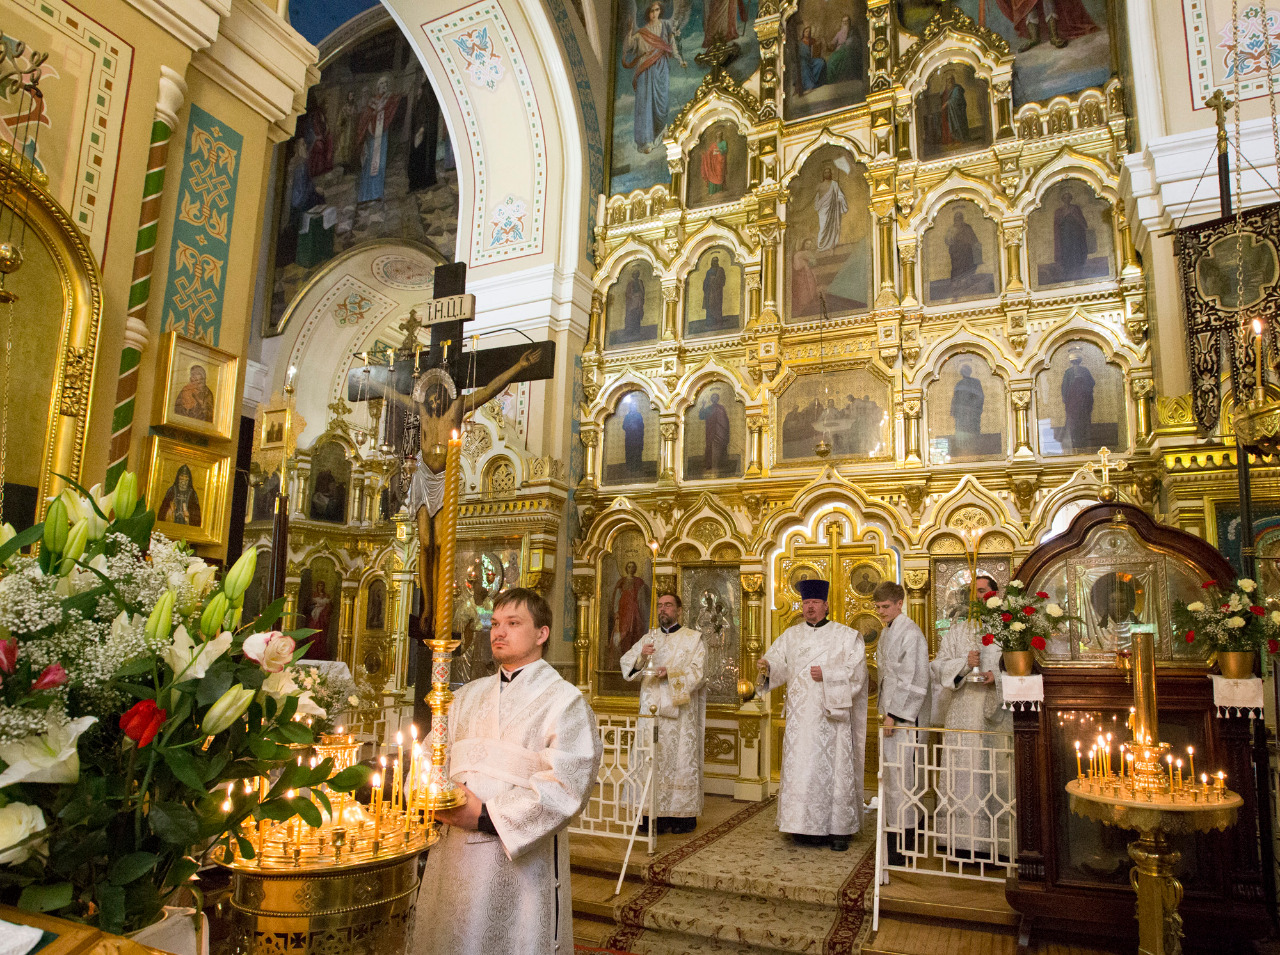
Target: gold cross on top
1219, 103
1105, 465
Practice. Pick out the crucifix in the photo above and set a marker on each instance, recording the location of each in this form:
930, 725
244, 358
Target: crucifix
1105, 466
431, 387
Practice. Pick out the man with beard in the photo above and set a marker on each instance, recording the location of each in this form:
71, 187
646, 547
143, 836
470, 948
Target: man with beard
1065, 20
1077, 400
676, 696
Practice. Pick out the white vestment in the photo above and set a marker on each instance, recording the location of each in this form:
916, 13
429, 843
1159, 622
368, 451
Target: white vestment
530, 752
968, 764
681, 701
824, 746
830, 204
902, 658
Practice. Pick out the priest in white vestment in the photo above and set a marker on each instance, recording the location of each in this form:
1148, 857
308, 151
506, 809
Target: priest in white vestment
525, 750
966, 807
902, 659
823, 664
675, 697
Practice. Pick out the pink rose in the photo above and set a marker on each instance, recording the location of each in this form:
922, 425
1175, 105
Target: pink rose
272, 651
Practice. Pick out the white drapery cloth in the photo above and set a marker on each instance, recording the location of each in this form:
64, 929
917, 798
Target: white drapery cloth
680, 699
965, 808
902, 658
530, 752
825, 743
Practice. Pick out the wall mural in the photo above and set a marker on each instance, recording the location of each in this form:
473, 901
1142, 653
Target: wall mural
959, 255
1070, 237
330, 480
655, 75
715, 428
712, 605
968, 413
626, 576
828, 237
1081, 402
717, 166
370, 160
631, 441
825, 57
319, 595
848, 409
713, 295
633, 310
953, 112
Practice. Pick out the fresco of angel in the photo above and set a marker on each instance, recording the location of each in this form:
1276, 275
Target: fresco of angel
648, 49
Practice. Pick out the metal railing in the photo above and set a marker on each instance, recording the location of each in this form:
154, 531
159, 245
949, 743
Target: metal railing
624, 786
953, 790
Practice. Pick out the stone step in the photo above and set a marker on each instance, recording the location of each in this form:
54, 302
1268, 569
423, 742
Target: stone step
593, 894
777, 924
909, 935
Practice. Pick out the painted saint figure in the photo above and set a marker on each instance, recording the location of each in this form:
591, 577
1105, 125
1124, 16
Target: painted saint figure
955, 113
714, 161
374, 137
648, 51
713, 293
830, 204
426, 134
181, 504
715, 444
847, 47
720, 21
1070, 238
633, 296
1065, 20
633, 444
195, 400
967, 399
629, 610
319, 611
813, 68
963, 247
1077, 399
804, 283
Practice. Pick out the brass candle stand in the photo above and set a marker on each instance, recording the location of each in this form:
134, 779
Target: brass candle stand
1149, 795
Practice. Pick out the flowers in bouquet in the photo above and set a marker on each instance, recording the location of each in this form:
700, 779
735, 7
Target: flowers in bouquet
1020, 620
1227, 621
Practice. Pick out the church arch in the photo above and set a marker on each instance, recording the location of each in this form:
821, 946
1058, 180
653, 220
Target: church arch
825, 138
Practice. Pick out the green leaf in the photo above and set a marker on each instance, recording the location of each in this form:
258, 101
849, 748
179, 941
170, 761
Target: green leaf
137, 690
307, 810
270, 614
182, 871
183, 766
137, 528
19, 541
110, 908
295, 732
216, 681
135, 667
278, 810
351, 778
245, 847
45, 898
263, 749
320, 796
175, 824
132, 867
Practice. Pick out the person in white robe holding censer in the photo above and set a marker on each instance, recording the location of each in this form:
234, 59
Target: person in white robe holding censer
824, 666
525, 751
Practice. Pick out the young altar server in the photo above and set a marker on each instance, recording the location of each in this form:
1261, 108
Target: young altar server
824, 747
525, 750
902, 657
677, 697
968, 703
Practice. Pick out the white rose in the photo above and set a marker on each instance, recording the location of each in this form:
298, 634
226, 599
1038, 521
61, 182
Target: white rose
190, 661
1016, 583
1017, 625
1053, 610
1247, 585
50, 757
1235, 623
1275, 616
272, 651
1195, 607
18, 820
994, 602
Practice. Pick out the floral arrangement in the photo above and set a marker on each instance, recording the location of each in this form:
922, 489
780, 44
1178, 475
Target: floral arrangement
137, 715
1231, 622
331, 692
1020, 620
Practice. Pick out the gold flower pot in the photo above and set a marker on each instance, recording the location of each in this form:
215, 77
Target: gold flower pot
1236, 664
1018, 662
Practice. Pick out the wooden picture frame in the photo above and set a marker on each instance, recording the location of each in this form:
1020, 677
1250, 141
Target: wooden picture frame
199, 391
194, 513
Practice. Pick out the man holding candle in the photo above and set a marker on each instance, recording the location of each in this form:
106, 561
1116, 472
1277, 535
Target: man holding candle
824, 665
674, 691
525, 752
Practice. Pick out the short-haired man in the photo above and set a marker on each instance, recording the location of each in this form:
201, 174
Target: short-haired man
676, 696
902, 656
525, 751
824, 666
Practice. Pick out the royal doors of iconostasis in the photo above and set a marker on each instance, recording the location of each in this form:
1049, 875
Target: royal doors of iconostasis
835, 547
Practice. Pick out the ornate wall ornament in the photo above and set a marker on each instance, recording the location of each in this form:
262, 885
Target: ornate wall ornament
1024, 493
707, 532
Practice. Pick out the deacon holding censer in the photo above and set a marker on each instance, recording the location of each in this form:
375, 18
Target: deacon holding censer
824, 746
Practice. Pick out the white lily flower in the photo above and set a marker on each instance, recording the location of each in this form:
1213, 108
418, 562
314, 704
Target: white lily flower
189, 660
49, 757
307, 706
279, 685
201, 576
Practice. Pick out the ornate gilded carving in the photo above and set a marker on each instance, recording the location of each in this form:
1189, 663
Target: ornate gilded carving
951, 19
1024, 492
707, 532
915, 580
719, 746
77, 378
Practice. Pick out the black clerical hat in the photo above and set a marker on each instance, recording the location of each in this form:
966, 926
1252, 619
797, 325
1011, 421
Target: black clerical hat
813, 589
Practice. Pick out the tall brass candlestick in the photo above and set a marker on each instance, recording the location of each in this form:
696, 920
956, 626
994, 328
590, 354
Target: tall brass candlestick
441, 792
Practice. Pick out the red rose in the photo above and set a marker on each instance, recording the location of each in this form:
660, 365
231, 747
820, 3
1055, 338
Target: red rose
1006, 617
142, 721
53, 675
1191, 636
1037, 642
988, 639
1029, 611
1259, 611
1273, 645
1042, 595
1208, 583
8, 654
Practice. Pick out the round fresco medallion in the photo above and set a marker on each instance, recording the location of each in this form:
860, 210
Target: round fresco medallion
400, 271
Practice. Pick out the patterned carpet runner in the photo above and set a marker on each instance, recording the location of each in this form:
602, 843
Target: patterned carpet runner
743, 888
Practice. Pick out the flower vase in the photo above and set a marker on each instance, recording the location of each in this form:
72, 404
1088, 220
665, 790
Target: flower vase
1018, 662
1236, 664
180, 931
